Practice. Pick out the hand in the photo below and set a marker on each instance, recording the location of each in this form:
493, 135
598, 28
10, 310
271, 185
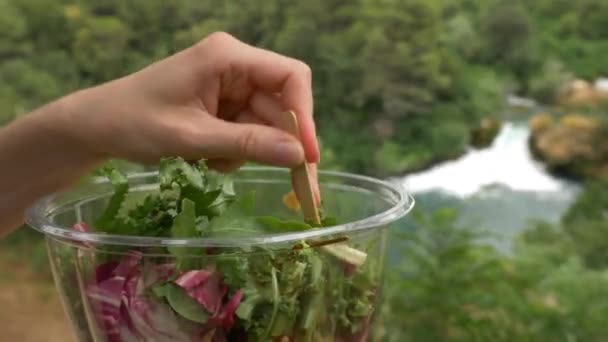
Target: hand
220, 100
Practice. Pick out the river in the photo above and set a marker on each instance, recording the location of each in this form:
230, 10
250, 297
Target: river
499, 189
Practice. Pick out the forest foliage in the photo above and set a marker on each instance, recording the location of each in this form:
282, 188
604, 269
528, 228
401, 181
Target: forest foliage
412, 78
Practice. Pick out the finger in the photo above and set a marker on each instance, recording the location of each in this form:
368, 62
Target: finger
252, 142
230, 165
273, 73
267, 107
292, 79
228, 110
225, 165
247, 117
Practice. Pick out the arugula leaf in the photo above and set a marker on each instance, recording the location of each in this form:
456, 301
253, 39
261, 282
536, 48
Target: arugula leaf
184, 226
275, 225
237, 219
121, 187
328, 221
252, 299
292, 280
275, 302
353, 297
235, 270
202, 200
275, 293
312, 311
181, 302
247, 203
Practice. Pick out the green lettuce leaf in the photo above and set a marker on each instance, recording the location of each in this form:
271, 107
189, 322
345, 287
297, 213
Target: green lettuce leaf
152, 217
176, 172
181, 302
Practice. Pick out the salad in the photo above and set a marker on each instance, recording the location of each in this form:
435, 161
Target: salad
308, 291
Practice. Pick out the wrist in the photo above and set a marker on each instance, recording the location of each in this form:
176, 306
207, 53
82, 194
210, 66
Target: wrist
59, 123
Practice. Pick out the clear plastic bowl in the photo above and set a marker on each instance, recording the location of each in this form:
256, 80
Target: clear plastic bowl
307, 294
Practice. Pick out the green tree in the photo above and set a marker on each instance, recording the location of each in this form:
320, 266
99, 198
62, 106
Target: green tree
508, 38
593, 22
99, 48
13, 31
585, 223
402, 58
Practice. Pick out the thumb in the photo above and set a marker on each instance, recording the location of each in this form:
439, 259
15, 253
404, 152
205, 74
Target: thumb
252, 142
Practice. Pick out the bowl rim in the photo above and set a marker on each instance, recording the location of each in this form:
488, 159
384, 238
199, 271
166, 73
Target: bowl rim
38, 217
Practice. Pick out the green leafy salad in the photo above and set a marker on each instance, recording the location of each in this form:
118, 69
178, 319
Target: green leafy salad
307, 291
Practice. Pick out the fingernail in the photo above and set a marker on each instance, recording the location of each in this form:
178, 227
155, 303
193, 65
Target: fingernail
289, 153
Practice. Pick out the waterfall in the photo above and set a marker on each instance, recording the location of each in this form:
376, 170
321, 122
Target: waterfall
507, 162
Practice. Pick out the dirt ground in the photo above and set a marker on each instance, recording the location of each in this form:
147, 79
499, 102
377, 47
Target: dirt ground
30, 310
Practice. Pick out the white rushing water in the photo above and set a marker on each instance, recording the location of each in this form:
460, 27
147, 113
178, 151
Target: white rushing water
501, 189
506, 162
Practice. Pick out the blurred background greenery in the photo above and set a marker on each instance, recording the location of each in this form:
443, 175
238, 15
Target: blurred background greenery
492, 112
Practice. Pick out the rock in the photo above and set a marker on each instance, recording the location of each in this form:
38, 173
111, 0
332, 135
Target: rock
540, 123
580, 92
575, 147
579, 122
562, 144
483, 135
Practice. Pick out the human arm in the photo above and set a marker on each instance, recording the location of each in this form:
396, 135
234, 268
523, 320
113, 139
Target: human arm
217, 100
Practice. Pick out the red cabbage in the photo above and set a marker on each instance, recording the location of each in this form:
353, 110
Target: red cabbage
124, 310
